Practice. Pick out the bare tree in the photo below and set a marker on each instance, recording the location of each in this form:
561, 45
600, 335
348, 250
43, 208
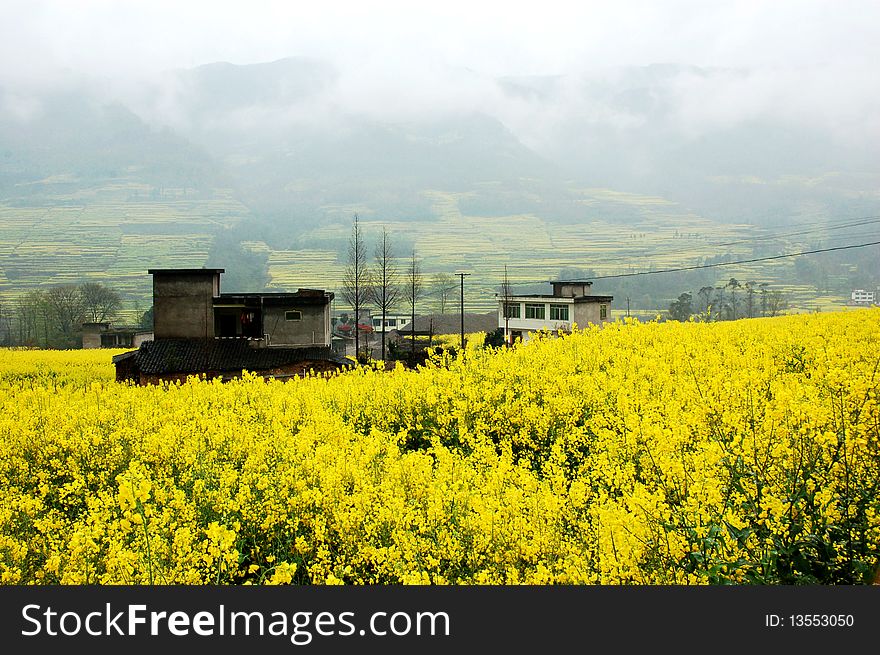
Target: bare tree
763, 286
776, 302
720, 297
5, 325
356, 279
29, 310
100, 303
705, 294
412, 294
66, 310
734, 285
443, 285
750, 297
384, 289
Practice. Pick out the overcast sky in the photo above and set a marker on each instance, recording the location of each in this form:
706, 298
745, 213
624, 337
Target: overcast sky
811, 58
113, 36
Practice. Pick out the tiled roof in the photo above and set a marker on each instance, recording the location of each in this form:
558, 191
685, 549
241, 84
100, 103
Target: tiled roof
169, 356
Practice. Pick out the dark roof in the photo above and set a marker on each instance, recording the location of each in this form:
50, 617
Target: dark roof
118, 329
590, 298
301, 296
451, 323
169, 356
594, 299
185, 271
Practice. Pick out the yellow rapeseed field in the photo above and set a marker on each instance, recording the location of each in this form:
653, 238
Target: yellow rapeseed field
670, 453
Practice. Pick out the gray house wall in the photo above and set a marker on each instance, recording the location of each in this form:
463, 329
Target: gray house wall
187, 304
588, 312
91, 334
183, 304
313, 328
104, 335
571, 289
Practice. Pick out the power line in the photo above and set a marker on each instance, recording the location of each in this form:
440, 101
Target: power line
715, 265
823, 228
741, 261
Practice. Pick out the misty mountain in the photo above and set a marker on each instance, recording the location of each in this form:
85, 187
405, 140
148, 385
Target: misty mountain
211, 90
642, 129
291, 143
72, 140
280, 132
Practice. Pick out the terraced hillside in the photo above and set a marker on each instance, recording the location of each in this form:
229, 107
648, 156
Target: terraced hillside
536, 250
94, 189
114, 233
111, 234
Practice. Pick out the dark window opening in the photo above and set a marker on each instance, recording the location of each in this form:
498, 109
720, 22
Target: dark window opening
535, 311
511, 310
558, 312
231, 322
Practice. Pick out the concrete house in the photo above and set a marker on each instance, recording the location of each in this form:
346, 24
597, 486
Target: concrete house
862, 297
199, 330
392, 322
106, 335
571, 302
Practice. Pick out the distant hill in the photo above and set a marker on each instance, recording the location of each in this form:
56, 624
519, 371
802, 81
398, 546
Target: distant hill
642, 130
73, 140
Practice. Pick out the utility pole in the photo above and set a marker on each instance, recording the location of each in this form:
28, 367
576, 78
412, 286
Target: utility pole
627, 306
462, 276
505, 306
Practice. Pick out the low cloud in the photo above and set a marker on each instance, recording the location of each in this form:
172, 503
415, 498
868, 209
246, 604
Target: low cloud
805, 62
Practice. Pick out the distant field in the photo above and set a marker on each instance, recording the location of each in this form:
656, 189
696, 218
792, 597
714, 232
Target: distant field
115, 233
112, 234
535, 250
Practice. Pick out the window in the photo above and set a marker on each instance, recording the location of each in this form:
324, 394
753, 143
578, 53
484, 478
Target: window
391, 322
535, 311
511, 310
558, 312
603, 312
293, 315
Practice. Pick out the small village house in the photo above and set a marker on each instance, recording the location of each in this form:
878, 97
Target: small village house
342, 333
106, 335
392, 322
197, 330
571, 303
863, 297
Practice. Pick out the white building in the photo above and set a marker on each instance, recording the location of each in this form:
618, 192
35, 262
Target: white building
570, 303
392, 322
862, 296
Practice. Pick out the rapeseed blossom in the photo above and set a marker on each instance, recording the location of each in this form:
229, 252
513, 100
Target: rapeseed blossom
676, 453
